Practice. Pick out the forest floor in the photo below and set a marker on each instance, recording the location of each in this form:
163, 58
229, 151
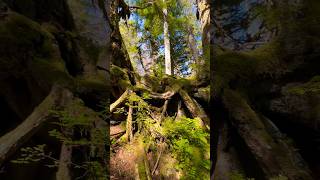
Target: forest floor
122, 163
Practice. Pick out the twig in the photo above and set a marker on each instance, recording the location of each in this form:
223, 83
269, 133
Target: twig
157, 163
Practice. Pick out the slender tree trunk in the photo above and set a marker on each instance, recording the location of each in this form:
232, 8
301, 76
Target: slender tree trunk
129, 134
168, 64
193, 45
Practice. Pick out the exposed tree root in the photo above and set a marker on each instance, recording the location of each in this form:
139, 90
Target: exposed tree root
180, 111
155, 116
59, 99
164, 110
14, 139
64, 172
166, 95
273, 155
195, 109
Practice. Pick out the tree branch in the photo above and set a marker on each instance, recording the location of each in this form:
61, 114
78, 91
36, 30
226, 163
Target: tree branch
118, 102
146, 5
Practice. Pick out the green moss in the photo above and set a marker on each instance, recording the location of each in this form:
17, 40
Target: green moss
142, 170
312, 86
268, 60
24, 36
119, 77
189, 145
49, 73
232, 66
242, 69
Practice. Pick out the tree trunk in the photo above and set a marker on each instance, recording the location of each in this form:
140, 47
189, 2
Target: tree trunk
129, 134
166, 37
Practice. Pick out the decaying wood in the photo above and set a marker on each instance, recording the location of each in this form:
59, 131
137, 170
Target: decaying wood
14, 139
273, 156
63, 172
129, 133
194, 108
119, 101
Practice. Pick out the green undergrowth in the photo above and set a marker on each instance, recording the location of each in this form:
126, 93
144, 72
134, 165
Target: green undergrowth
186, 142
185, 139
190, 147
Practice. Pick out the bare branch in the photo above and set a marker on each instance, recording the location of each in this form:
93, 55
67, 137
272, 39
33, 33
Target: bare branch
118, 102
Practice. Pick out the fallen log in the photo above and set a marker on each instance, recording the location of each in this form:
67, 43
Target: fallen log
273, 156
13, 140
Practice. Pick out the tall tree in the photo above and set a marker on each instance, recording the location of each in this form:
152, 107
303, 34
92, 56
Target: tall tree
167, 51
